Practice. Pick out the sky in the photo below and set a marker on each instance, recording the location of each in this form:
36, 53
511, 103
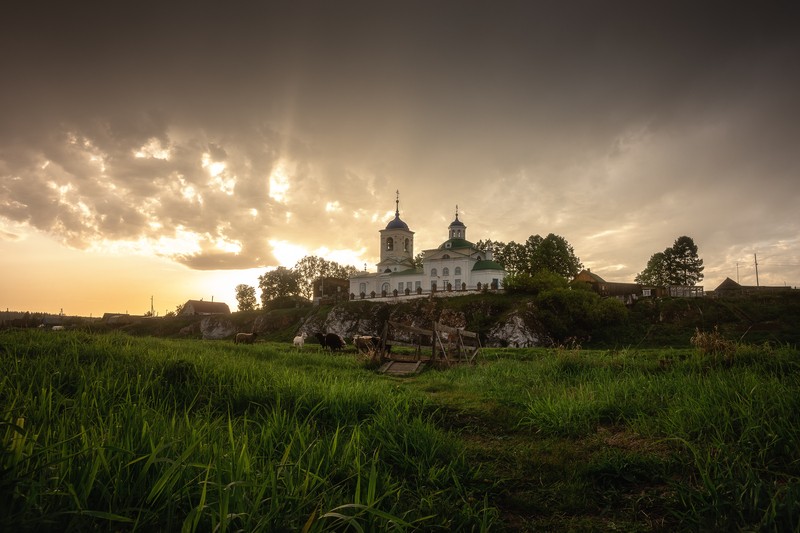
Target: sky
172, 150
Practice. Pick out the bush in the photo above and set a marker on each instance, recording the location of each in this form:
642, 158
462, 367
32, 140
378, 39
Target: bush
569, 313
543, 280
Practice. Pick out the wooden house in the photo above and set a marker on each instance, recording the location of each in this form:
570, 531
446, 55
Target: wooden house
199, 307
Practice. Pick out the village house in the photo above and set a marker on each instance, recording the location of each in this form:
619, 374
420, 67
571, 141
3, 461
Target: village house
730, 288
456, 265
199, 307
628, 293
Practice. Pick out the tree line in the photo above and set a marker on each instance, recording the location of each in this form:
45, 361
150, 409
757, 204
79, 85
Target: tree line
525, 264
295, 281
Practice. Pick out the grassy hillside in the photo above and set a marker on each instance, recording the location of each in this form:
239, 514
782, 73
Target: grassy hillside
114, 432
771, 317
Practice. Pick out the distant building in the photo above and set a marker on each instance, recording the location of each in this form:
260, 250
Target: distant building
730, 288
627, 293
630, 292
456, 265
119, 319
329, 289
199, 307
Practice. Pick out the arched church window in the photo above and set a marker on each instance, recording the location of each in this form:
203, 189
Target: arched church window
445, 271
405, 245
389, 244
433, 273
458, 271
446, 256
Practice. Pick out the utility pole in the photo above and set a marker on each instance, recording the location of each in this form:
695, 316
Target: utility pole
152, 311
755, 257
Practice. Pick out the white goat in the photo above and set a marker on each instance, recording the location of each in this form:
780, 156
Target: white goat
299, 341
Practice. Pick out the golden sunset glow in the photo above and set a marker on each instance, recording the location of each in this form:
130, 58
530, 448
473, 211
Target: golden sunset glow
286, 253
279, 184
168, 163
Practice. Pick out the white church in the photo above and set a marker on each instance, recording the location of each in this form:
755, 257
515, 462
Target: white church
456, 265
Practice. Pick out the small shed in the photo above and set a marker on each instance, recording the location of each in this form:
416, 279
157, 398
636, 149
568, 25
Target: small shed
627, 293
199, 307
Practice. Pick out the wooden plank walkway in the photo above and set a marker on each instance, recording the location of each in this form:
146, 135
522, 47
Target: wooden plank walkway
401, 368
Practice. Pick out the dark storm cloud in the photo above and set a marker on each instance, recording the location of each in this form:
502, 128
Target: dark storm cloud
635, 121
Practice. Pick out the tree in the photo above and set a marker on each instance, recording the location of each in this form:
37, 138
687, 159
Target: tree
417, 261
655, 273
513, 257
312, 267
246, 297
278, 283
683, 263
552, 253
677, 265
543, 280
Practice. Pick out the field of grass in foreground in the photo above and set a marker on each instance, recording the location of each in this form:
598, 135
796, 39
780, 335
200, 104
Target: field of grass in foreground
111, 432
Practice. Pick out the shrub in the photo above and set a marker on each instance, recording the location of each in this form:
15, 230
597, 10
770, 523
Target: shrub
712, 343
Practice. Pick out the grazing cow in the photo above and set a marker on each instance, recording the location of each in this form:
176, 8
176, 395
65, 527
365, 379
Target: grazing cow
369, 344
299, 341
244, 338
331, 341
366, 343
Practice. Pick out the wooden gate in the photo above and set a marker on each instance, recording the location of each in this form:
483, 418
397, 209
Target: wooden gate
442, 345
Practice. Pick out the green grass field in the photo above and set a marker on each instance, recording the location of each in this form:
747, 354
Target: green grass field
109, 432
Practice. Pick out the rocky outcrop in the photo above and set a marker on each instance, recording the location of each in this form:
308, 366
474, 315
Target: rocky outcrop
348, 320
517, 329
215, 327
513, 331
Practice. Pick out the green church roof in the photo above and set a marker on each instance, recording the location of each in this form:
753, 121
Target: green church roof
456, 243
487, 264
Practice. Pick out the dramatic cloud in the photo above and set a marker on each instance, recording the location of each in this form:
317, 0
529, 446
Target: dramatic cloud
221, 136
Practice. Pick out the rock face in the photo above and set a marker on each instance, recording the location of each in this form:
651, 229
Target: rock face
348, 320
518, 329
513, 332
216, 327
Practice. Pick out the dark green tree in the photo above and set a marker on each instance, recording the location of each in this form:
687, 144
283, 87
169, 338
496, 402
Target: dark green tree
543, 280
278, 283
513, 257
553, 253
677, 265
655, 273
683, 264
417, 261
246, 297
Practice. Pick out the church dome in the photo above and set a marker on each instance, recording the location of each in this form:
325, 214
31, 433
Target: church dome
457, 222
397, 223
